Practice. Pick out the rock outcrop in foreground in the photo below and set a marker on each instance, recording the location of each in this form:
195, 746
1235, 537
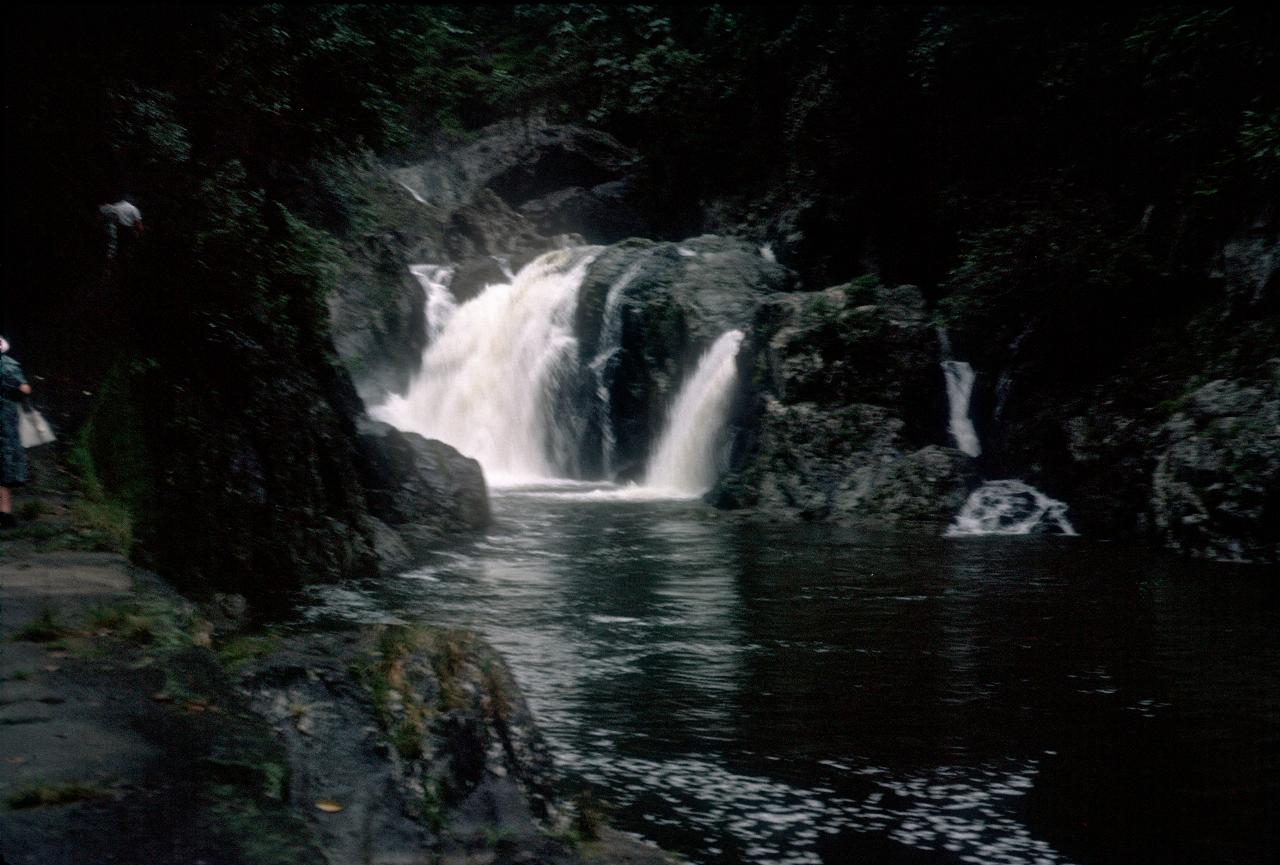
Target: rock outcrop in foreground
137, 727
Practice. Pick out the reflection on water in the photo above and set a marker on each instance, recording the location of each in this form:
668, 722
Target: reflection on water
806, 694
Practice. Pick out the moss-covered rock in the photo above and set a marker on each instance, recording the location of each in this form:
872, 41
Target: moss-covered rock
414, 740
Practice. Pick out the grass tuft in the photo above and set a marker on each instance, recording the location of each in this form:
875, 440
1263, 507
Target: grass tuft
44, 628
41, 795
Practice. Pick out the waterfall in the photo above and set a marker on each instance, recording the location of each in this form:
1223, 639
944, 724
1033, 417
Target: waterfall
687, 458
504, 265
497, 367
416, 197
1010, 507
502, 382
960, 377
440, 305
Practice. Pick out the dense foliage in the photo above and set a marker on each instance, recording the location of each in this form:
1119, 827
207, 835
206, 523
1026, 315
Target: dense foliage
912, 128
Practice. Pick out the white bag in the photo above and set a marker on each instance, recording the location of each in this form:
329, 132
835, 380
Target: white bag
33, 428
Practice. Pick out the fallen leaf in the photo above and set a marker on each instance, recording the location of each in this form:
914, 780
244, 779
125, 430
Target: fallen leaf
328, 806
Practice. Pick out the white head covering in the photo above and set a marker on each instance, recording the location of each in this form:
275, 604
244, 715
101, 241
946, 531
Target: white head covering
4, 345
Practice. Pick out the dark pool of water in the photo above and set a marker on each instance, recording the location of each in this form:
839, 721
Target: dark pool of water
807, 694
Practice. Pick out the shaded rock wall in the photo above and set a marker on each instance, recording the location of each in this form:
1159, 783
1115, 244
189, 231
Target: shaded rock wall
516, 191
1165, 441
1216, 485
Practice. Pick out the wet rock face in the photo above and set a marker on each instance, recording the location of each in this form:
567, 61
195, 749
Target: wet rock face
607, 213
824, 432
1216, 487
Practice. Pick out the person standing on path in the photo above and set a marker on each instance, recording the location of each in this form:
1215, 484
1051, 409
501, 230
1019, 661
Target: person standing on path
13, 458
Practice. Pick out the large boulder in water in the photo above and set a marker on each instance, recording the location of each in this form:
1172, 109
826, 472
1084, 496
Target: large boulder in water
846, 403
1216, 487
420, 485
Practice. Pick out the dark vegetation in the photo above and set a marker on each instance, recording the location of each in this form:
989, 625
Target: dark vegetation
1068, 170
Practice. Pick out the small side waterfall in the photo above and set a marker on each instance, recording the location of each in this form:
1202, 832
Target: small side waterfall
440, 305
504, 265
1005, 507
416, 197
1010, 507
960, 377
494, 371
687, 458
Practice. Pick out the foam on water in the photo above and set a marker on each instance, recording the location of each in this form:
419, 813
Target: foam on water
1010, 507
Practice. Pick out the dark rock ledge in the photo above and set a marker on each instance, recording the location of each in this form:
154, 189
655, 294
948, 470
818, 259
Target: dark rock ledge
137, 727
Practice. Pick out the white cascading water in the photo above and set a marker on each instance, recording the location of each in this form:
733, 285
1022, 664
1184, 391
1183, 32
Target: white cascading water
687, 459
490, 375
416, 197
1006, 507
1010, 507
960, 376
440, 305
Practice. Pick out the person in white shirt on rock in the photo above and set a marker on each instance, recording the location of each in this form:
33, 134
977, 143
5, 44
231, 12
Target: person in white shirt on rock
121, 215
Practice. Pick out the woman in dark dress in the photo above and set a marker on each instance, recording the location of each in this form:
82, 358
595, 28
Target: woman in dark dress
13, 458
